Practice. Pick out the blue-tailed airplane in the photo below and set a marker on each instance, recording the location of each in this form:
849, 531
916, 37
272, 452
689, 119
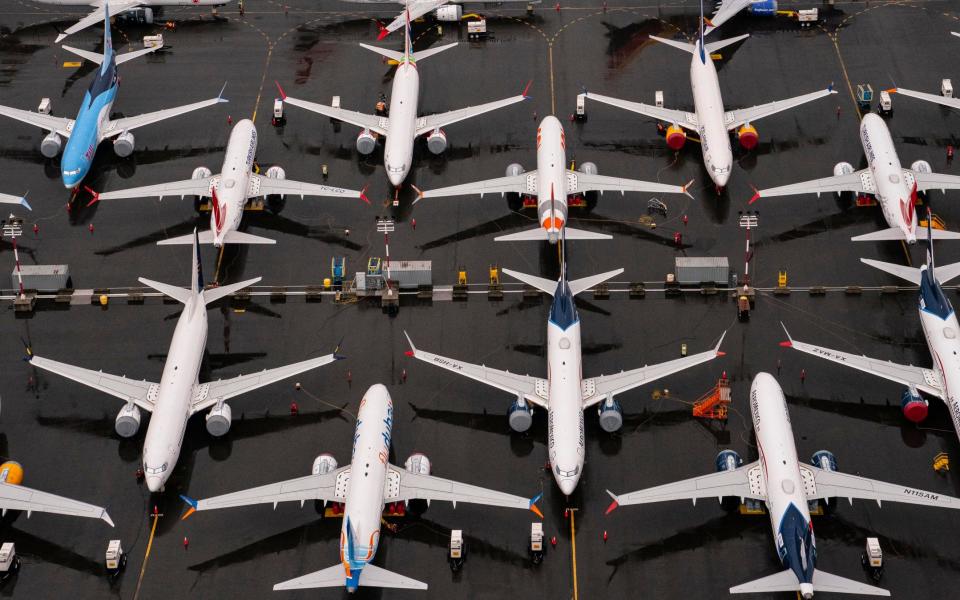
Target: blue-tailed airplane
93, 123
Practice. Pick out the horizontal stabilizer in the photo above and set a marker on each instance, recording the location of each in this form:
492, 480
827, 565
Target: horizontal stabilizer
938, 234
540, 235
544, 285
96, 57
686, 47
398, 56
212, 295
370, 576
581, 285
784, 581
911, 274
825, 582
884, 235
206, 237
179, 294
422, 54
719, 44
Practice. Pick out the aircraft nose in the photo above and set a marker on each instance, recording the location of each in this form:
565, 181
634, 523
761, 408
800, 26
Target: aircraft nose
395, 177
721, 179
806, 590
567, 485
154, 483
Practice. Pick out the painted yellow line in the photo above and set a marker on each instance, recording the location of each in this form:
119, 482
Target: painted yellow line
573, 552
553, 94
143, 568
262, 79
69, 64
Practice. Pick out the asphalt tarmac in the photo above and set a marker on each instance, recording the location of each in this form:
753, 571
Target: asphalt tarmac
63, 433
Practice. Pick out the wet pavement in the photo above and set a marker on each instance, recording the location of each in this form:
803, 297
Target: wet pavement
63, 434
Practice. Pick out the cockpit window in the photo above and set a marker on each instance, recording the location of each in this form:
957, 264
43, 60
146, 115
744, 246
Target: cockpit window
563, 473
155, 470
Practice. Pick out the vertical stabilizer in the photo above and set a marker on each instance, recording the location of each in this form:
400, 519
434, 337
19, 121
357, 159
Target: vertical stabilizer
407, 36
196, 281
700, 49
107, 40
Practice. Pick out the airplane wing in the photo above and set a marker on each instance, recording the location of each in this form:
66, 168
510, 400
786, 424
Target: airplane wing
329, 487
372, 122
859, 182
11, 199
934, 181
46, 122
267, 186
744, 482
935, 98
187, 187
925, 380
525, 183
416, 9
578, 182
142, 393
431, 122
533, 389
834, 484
684, 119
18, 497
597, 389
726, 10
735, 118
208, 394
116, 7
127, 123
404, 485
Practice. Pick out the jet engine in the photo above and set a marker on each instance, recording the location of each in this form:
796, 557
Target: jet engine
921, 166
128, 421
589, 168
366, 142
590, 198
520, 415
437, 141
729, 460
139, 16
914, 406
218, 419
764, 8
514, 200
200, 173
825, 460
449, 13
12, 472
611, 415
843, 168
51, 145
418, 464
323, 464
748, 137
123, 145
276, 172
514, 169
676, 137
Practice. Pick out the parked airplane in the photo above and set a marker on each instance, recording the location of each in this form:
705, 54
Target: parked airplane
364, 486
786, 487
564, 394
711, 122
14, 496
940, 327
443, 10
401, 125
179, 393
93, 123
121, 6
230, 189
894, 187
552, 183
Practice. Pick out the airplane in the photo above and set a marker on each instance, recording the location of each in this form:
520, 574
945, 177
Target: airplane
230, 190
179, 395
402, 126
711, 122
15, 496
93, 123
894, 187
364, 486
564, 394
118, 7
786, 488
443, 10
727, 9
552, 183
940, 327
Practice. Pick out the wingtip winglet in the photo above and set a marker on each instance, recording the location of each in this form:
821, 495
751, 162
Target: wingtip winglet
283, 95
189, 500
526, 90
613, 505
384, 32
413, 349
892, 90
756, 195
25, 204
363, 194
533, 505
686, 189
220, 97
106, 518
786, 344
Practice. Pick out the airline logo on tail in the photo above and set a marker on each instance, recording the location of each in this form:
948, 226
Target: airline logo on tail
217, 211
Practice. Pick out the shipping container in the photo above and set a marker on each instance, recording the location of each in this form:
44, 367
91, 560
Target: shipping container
694, 270
411, 274
43, 278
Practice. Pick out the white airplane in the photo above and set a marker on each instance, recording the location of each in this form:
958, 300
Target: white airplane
93, 123
230, 190
711, 122
894, 187
14, 496
940, 328
786, 487
564, 394
552, 183
443, 10
727, 9
120, 6
402, 126
364, 486
179, 395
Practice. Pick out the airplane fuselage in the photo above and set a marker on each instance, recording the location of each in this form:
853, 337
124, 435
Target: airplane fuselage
551, 177
708, 106
233, 189
893, 194
404, 98
168, 422
786, 496
92, 118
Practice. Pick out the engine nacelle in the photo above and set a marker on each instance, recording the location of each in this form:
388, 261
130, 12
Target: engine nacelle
589, 168
123, 145
449, 13
139, 16
676, 137
514, 169
51, 145
748, 137
276, 172
417, 464
128, 421
437, 141
842, 168
520, 415
764, 8
914, 406
611, 415
366, 142
323, 464
218, 419
200, 173
825, 460
12, 472
728, 460
921, 166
